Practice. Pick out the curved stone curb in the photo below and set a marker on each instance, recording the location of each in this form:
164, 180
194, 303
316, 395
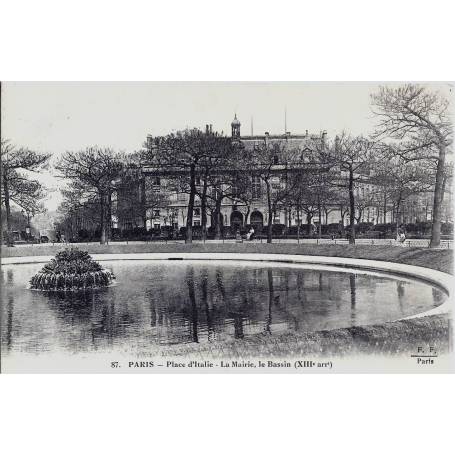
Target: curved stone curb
435, 277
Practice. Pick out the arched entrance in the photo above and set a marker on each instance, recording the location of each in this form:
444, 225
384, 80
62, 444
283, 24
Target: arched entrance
236, 219
256, 219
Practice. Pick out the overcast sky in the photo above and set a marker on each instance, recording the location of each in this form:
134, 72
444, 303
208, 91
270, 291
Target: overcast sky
55, 117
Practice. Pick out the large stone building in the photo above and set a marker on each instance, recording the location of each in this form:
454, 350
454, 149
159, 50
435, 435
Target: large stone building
172, 211
234, 212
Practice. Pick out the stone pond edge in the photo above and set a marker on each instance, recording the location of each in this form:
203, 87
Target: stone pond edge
441, 279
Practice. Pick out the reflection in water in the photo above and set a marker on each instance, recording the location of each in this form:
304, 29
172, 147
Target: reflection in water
268, 322
192, 296
9, 321
208, 309
400, 294
198, 302
438, 297
352, 287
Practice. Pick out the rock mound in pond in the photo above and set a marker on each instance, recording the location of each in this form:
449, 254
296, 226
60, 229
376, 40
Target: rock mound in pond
71, 270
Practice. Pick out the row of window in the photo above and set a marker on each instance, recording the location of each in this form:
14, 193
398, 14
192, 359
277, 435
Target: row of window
157, 213
256, 188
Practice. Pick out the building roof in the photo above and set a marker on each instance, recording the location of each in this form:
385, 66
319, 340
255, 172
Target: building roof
235, 122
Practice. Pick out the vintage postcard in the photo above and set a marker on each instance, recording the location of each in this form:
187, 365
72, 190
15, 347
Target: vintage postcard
227, 227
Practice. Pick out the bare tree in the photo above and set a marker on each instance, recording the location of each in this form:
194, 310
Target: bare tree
417, 121
190, 154
311, 193
93, 172
349, 158
273, 164
362, 202
77, 212
402, 179
16, 185
229, 181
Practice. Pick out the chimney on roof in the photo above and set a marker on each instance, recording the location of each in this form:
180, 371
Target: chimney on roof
149, 142
206, 129
306, 132
210, 128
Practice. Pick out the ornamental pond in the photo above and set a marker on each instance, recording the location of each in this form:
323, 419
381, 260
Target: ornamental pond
161, 302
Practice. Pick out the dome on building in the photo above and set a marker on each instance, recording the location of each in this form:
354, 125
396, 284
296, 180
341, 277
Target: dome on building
235, 122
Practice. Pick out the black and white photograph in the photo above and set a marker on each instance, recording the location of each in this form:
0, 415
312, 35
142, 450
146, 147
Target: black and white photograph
226, 227
241, 227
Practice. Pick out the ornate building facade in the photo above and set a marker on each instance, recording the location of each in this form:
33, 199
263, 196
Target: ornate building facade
172, 206
234, 212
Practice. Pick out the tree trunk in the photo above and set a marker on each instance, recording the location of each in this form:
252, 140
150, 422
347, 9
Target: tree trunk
109, 217
204, 210
385, 208
397, 217
437, 199
217, 218
320, 218
309, 217
9, 236
359, 217
298, 224
351, 207
270, 220
247, 215
102, 220
189, 218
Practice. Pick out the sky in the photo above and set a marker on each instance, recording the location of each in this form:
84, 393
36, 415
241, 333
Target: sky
58, 116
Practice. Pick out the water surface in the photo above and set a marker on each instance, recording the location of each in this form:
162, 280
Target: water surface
178, 302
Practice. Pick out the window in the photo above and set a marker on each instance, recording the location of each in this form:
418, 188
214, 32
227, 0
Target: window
275, 181
156, 225
256, 187
214, 193
197, 212
276, 217
156, 213
156, 184
197, 223
181, 197
198, 181
235, 192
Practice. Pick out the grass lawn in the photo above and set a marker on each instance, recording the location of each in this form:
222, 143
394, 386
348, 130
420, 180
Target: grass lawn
441, 260
391, 338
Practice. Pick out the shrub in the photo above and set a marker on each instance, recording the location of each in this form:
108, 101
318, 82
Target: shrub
363, 227
72, 269
278, 229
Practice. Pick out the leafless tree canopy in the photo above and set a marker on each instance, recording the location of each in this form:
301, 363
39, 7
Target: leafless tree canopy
17, 185
416, 125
